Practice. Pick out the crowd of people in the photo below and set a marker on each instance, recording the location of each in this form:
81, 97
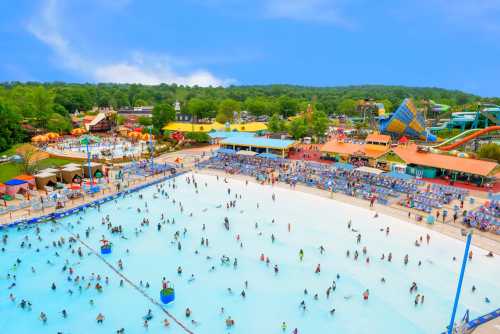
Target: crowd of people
357, 183
82, 282
486, 217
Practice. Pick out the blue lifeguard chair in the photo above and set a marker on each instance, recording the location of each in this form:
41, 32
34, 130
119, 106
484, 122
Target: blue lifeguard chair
106, 247
167, 295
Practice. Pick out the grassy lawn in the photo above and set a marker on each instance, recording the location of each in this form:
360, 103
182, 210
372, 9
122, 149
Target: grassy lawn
10, 170
52, 162
12, 150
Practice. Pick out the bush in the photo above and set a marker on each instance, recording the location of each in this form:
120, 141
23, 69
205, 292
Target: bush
490, 151
198, 137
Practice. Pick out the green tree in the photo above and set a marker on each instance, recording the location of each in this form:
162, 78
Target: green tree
275, 124
145, 120
59, 109
347, 107
319, 123
162, 114
298, 128
199, 137
288, 106
59, 124
257, 106
490, 151
200, 108
43, 104
11, 131
388, 106
140, 103
227, 108
120, 119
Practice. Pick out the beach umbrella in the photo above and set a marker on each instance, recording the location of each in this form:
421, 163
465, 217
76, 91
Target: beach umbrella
147, 137
52, 135
40, 138
78, 131
134, 134
88, 139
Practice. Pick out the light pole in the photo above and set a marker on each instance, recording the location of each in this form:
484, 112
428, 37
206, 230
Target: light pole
86, 140
460, 280
151, 148
88, 163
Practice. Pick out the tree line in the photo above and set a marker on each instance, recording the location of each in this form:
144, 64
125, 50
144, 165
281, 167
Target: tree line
48, 106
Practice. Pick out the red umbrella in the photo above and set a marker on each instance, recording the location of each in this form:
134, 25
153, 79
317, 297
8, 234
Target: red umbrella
403, 140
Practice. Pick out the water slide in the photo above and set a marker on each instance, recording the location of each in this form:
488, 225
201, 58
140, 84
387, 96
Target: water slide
442, 126
487, 113
469, 135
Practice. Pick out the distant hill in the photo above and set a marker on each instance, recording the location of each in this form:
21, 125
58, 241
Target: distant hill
84, 96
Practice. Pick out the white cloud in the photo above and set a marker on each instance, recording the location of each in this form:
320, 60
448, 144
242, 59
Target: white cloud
140, 67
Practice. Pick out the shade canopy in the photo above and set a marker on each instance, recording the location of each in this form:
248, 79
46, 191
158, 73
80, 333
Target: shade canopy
226, 151
399, 176
268, 155
245, 152
15, 182
341, 165
370, 170
48, 170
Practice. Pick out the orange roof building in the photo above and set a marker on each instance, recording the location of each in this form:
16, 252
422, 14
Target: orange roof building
378, 139
411, 155
372, 149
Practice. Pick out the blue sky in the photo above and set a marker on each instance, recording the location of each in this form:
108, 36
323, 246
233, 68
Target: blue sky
444, 43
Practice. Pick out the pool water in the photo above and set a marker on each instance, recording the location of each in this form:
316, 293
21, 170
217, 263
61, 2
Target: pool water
116, 150
270, 298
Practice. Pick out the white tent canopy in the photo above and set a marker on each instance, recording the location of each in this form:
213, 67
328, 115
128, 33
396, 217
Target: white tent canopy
49, 170
245, 152
370, 170
72, 165
72, 169
44, 175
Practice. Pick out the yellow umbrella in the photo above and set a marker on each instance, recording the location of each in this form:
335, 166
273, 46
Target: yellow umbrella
52, 135
78, 131
147, 137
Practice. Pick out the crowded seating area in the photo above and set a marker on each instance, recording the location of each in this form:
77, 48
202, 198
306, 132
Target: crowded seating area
318, 175
486, 217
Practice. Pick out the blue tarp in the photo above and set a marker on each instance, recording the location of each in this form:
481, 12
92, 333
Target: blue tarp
260, 142
494, 197
400, 176
229, 134
341, 165
14, 182
268, 156
226, 151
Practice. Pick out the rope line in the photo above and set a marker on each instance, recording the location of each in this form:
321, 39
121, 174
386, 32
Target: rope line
132, 284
